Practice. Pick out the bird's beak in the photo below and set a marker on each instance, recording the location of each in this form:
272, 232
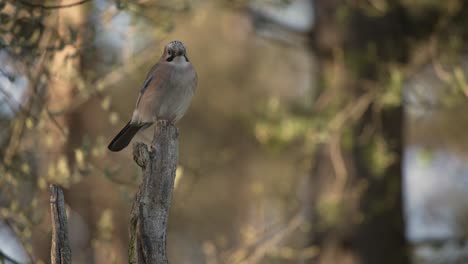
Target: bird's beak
180, 52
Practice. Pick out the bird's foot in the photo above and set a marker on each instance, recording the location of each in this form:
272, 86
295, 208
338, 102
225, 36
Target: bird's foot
165, 122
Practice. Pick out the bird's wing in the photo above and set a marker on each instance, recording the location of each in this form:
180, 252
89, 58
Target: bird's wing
152, 93
149, 77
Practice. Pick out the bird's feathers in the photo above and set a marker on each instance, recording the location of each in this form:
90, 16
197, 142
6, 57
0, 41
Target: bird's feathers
166, 94
148, 79
124, 137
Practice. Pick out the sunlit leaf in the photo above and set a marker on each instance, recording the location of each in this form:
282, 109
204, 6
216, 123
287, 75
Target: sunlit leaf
114, 118
105, 103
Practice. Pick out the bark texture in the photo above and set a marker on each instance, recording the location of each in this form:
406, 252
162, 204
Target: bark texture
60, 252
148, 223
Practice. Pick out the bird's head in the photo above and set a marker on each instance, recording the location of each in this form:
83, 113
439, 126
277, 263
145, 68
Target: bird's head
175, 50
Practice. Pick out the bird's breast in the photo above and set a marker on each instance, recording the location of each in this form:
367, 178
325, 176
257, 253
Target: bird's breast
178, 93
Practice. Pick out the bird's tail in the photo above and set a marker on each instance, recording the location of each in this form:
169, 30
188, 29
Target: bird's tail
124, 137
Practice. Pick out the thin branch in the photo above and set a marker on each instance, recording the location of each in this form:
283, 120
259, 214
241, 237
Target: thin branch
352, 111
26, 3
339, 166
18, 129
4, 257
12, 103
55, 122
265, 244
22, 240
440, 72
109, 80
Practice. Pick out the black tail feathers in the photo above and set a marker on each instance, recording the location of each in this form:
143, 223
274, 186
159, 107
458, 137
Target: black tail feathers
124, 137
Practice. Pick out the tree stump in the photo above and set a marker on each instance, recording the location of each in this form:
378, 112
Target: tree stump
60, 252
148, 222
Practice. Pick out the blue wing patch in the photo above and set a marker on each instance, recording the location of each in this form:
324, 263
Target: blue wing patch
143, 89
145, 85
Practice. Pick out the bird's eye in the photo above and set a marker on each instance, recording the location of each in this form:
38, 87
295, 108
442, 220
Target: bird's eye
170, 55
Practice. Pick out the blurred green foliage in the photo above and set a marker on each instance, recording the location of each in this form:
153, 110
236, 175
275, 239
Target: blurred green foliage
380, 44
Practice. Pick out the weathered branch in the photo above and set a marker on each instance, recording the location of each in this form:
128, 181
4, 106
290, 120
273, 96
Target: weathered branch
60, 252
150, 210
34, 5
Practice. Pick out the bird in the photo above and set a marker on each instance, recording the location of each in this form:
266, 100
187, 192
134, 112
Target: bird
166, 94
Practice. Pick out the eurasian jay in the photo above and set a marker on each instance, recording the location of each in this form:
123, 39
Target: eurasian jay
165, 95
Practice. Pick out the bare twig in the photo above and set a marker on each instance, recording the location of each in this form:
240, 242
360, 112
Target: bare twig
151, 207
109, 80
18, 128
26, 3
352, 111
440, 72
4, 257
17, 107
339, 165
256, 252
60, 252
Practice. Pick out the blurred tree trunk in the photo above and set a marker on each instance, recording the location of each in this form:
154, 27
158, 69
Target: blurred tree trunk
383, 231
63, 86
370, 227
